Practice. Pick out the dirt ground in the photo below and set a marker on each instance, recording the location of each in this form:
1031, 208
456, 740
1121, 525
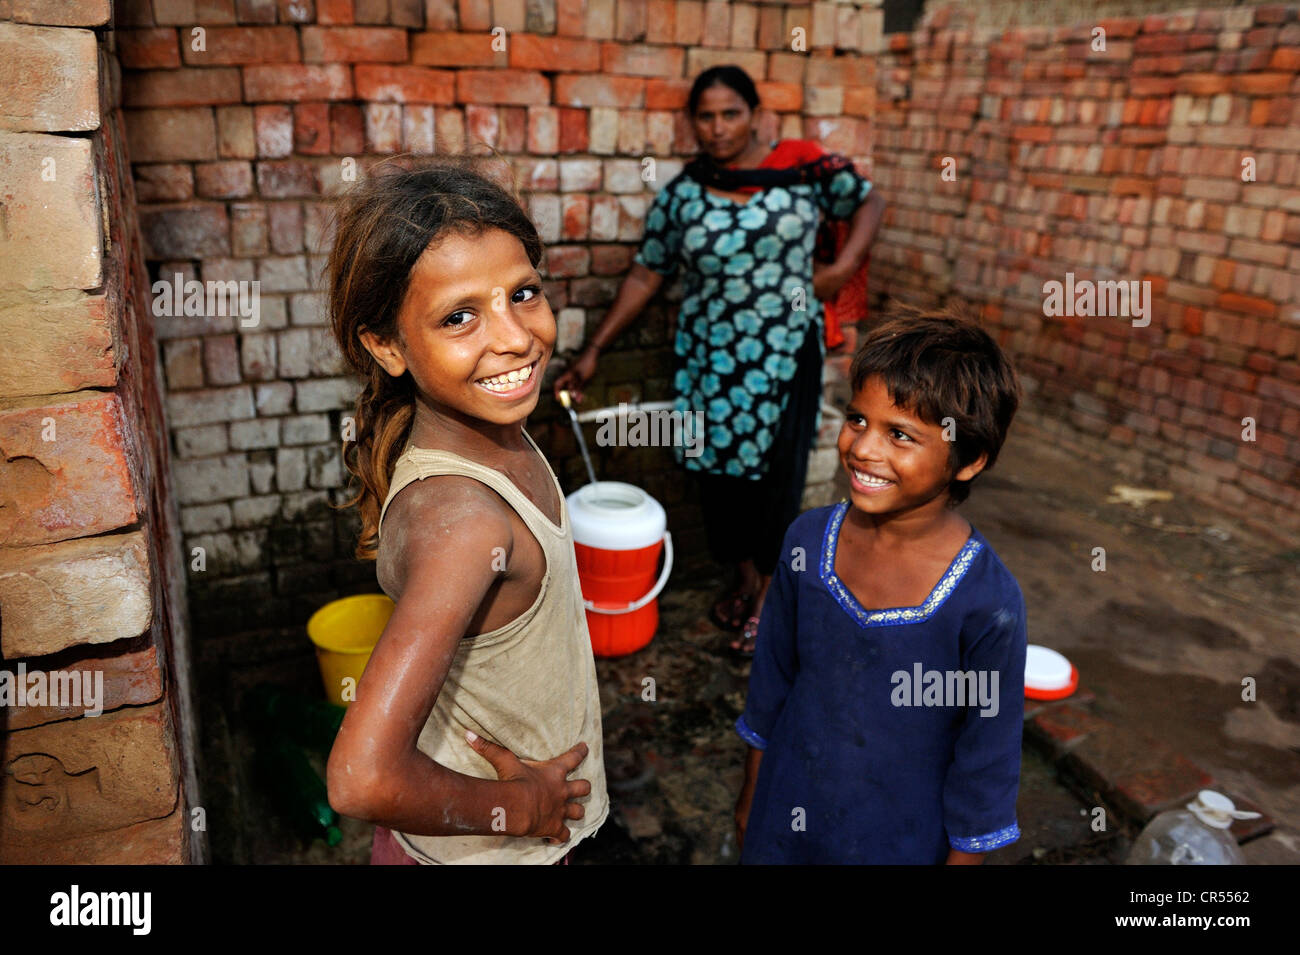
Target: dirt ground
1188, 606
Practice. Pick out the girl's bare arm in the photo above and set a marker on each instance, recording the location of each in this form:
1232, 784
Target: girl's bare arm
445, 543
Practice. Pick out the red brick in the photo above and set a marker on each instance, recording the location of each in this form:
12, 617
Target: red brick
293, 83
548, 53
148, 49
57, 343
1060, 728
52, 232
475, 14
87, 591
840, 71
353, 45
255, 11
463, 49
347, 130
667, 94
1202, 84
96, 775
407, 13
482, 125
573, 130
130, 679
610, 91
611, 260
406, 84
274, 126
311, 129
1262, 84
187, 231
153, 842
232, 179
1286, 58
183, 87
332, 12
287, 179
575, 221
512, 87
571, 17
238, 46
164, 135
62, 13
543, 130
514, 129
49, 77
1248, 304
567, 261
630, 59
76, 485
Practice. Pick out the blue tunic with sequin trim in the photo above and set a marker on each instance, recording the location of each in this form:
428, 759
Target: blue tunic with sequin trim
886, 738
747, 305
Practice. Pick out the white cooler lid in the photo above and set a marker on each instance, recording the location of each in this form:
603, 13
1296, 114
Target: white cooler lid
612, 515
1045, 669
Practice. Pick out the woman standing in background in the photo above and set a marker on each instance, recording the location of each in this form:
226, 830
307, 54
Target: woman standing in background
741, 221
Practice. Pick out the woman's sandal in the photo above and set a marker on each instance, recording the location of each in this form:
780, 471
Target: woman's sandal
748, 637
730, 612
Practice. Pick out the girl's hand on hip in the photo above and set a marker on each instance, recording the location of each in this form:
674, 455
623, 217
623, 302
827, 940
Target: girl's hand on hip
549, 794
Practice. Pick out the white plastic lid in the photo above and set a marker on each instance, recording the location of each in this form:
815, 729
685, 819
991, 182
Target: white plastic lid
612, 515
1045, 669
1215, 809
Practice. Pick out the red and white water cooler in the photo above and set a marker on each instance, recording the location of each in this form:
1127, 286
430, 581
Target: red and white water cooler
619, 533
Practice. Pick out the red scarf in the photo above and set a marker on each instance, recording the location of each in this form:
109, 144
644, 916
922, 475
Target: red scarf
849, 306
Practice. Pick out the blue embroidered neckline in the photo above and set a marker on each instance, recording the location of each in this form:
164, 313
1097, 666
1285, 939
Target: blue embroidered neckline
894, 615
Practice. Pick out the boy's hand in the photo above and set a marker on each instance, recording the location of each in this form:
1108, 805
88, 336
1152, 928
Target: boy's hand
742, 815
549, 793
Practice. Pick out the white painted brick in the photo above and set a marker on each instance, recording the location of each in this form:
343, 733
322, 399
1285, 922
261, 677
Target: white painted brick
258, 433
255, 511
327, 394
202, 441
305, 429
290, 469
210, 405
309, 308
205, 518
275, 398
208, 480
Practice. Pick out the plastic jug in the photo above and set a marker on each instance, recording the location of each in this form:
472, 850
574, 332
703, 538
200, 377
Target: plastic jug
1197, 835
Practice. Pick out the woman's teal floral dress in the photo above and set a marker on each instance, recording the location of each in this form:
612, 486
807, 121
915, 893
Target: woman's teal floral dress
739, 327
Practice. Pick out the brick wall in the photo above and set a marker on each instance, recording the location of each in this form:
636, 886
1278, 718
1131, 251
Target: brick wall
1123, 164
1011, 13
239, 141
90, 578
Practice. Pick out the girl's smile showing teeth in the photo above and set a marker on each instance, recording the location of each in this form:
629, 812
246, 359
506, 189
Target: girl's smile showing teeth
511, 384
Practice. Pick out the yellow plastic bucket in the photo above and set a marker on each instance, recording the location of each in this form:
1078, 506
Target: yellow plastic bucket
344, 632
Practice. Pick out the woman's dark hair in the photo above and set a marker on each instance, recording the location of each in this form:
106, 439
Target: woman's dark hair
940, 364
382, 226
730, 76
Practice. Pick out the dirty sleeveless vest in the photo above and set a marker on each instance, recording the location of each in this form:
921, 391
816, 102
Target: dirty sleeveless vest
529, 685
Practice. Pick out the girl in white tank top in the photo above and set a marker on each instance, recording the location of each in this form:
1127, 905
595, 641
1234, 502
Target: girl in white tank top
475, 736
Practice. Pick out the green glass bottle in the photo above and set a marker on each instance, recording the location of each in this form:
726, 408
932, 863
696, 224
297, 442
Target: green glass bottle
297, 788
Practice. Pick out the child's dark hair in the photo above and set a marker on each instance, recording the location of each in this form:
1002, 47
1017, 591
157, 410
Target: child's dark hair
939, 364
382, 227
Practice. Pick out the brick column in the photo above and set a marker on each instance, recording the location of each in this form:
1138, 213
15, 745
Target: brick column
90, 560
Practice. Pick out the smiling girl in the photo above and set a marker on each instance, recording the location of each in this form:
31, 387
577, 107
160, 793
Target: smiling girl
475, 736
843, 766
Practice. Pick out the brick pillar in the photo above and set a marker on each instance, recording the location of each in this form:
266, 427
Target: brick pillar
91, 589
